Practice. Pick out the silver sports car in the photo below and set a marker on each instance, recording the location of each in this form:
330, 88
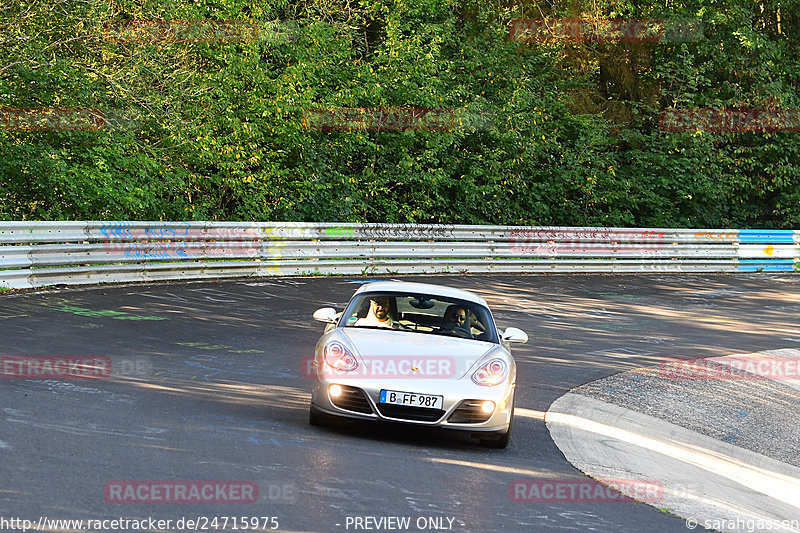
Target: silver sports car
419, 354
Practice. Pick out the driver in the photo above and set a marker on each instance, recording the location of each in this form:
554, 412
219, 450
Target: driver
378, 314
455, 317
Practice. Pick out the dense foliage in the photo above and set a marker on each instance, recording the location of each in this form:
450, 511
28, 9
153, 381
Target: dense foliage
567, 131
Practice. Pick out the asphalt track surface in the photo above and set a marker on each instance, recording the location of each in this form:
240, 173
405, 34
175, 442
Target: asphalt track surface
208, 384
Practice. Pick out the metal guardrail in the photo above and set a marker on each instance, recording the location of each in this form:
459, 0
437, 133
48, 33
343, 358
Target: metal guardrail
37, 254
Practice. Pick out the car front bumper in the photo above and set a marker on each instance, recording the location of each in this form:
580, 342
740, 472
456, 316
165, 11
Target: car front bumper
363, 397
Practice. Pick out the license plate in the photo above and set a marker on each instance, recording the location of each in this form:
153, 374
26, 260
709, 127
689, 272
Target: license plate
412, 399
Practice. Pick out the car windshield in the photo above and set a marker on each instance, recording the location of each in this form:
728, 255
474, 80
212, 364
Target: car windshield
420, 313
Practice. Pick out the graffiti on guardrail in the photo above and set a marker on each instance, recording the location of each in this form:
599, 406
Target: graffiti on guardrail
340, 231
134, 230
716, 236
182, 250
541, 249
587, 235
136, 250
405, 231
597, 241
179, 240
387, 231
127, 231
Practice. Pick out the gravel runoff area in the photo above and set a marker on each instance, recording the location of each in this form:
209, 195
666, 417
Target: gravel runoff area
742, 406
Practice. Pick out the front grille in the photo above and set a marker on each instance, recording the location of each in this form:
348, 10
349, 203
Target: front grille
469, 412
352, 399
402, 412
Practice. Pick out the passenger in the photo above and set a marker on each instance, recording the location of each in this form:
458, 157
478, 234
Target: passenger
378, 314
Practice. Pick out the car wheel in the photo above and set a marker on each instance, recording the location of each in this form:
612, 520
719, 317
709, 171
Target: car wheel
318, 418
501, 440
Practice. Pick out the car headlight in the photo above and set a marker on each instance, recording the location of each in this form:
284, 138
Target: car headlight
337, 357
492, 373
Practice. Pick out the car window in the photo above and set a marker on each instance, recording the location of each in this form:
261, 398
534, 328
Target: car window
419, 313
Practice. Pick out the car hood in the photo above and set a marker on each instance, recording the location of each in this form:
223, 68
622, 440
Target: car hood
374, 343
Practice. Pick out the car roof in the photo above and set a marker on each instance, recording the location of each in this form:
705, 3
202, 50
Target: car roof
421, 288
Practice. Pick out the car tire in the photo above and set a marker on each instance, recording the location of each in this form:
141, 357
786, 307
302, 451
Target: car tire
320, 419
501, 440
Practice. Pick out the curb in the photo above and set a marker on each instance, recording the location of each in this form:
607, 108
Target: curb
710, 483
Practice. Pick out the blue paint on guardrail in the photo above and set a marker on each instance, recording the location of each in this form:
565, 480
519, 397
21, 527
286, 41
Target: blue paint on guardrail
145, 230
773, 265
767, 236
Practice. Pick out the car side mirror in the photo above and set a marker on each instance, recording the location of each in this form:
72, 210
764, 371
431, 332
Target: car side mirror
514, 335
325, 314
